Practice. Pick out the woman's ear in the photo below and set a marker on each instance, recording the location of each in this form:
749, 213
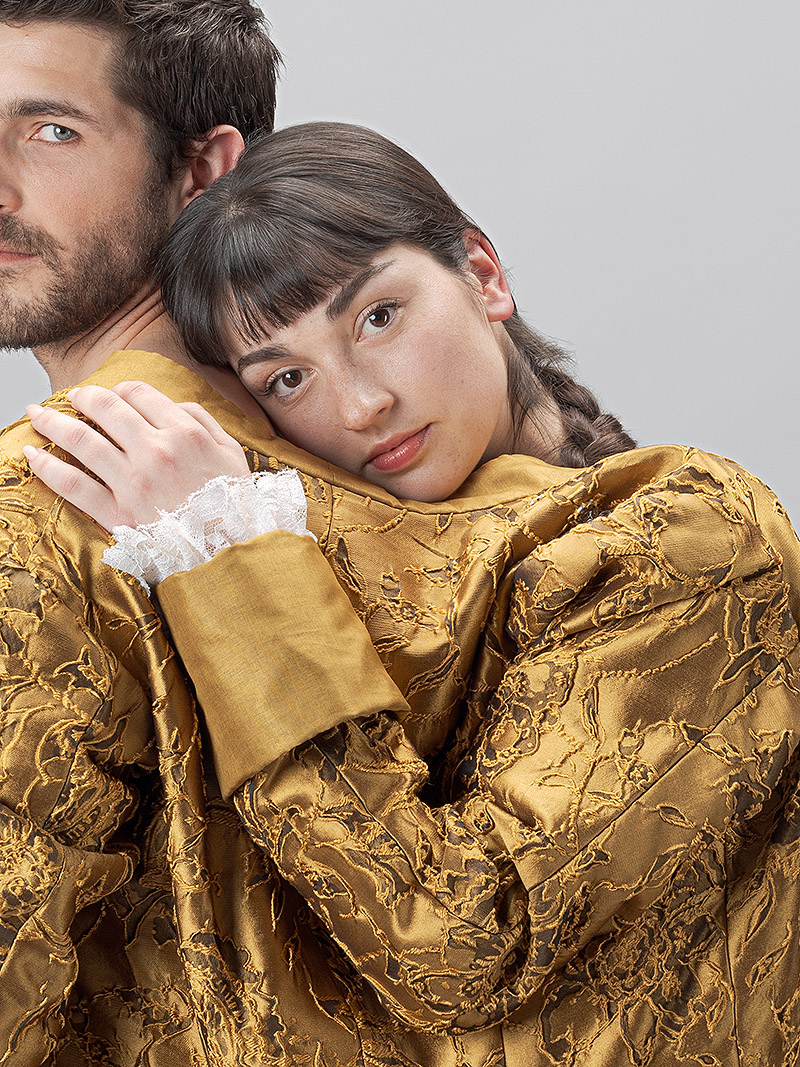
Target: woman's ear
215, 155
486, 268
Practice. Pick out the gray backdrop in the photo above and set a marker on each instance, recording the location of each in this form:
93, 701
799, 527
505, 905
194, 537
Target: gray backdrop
637, 165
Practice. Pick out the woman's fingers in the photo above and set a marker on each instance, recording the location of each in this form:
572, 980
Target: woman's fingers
209, 423
153, 405
83, 442
78, 488
181, 418
117, 418
166, 451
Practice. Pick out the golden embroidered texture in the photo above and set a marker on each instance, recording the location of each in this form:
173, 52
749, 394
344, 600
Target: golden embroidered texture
573, 839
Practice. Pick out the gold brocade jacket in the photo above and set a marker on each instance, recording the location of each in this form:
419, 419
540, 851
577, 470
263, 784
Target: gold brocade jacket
563, 829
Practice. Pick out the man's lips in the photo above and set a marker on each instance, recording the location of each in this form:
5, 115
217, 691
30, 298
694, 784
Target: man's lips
9, 255
397, 452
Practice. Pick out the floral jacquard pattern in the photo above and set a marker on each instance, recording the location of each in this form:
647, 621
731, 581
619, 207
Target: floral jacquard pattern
564, 829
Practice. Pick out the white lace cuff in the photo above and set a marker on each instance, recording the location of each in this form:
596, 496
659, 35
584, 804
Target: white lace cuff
225, 511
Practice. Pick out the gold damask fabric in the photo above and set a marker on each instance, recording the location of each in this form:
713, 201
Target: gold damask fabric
573, 839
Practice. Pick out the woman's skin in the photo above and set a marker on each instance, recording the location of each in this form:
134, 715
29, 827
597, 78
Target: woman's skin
400, 378
160, 454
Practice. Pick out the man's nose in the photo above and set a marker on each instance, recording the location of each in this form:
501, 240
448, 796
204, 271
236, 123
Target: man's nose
361, 403
10, 195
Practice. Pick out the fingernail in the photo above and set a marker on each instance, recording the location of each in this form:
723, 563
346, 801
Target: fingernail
33, 410
30, 452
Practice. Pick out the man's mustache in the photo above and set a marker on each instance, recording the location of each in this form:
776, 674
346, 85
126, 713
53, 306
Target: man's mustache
26, 240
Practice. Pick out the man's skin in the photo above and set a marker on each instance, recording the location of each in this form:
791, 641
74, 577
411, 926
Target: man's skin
61, 198
68, 199
55, 76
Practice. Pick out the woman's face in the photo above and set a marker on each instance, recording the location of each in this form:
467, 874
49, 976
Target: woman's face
400, 377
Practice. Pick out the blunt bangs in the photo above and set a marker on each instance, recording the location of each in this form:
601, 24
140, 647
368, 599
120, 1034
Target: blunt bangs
306, 209
290, 257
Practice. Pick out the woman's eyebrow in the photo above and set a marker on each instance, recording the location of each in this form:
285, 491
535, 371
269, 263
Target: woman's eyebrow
337, 307
340, 303
262, 355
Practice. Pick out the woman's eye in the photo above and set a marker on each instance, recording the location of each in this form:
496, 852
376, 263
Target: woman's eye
55, 134
285, 383
379, 318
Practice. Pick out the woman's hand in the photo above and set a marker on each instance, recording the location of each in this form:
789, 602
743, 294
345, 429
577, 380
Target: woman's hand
160, 452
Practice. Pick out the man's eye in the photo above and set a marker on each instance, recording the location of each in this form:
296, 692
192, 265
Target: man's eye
55, 134
379, 318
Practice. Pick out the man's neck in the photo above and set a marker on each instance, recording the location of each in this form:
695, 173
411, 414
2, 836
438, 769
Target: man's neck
144, 325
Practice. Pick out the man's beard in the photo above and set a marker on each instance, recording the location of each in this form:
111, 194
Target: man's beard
114, 261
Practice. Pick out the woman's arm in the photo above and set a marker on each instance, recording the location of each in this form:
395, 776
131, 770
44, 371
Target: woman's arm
616, 767
589, 817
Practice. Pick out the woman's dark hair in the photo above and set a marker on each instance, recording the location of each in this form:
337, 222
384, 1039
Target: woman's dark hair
185, 65
307, 209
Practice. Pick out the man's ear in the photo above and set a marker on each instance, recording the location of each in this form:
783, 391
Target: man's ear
216, 154
486, 268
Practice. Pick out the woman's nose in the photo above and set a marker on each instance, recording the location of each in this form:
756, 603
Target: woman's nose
361, 404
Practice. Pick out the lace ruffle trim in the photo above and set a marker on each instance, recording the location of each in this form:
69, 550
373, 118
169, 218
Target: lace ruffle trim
224, 512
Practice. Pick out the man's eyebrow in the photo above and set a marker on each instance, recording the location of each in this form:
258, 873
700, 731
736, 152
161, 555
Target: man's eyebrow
347, 293
29, 109
262, 355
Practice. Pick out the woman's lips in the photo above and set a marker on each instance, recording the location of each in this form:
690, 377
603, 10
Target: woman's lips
396, 454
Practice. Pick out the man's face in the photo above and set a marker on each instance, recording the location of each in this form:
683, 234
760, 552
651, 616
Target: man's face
82, 207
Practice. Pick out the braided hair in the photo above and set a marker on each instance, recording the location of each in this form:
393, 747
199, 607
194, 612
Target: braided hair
536, 366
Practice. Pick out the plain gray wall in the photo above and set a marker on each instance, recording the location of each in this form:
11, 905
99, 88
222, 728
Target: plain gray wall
637, 166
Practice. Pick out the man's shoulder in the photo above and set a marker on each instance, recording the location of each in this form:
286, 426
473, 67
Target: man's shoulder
50, 552
13, 439
33, 520
21, 493
176, 381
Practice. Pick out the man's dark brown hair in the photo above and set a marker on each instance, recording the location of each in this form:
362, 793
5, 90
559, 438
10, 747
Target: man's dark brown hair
185, 65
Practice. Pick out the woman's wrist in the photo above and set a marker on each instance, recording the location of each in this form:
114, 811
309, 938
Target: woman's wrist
225, 511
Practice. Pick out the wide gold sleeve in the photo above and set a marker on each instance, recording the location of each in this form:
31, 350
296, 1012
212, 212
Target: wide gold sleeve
62, 796
275, 657
599, 796
646, 712
585, 838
